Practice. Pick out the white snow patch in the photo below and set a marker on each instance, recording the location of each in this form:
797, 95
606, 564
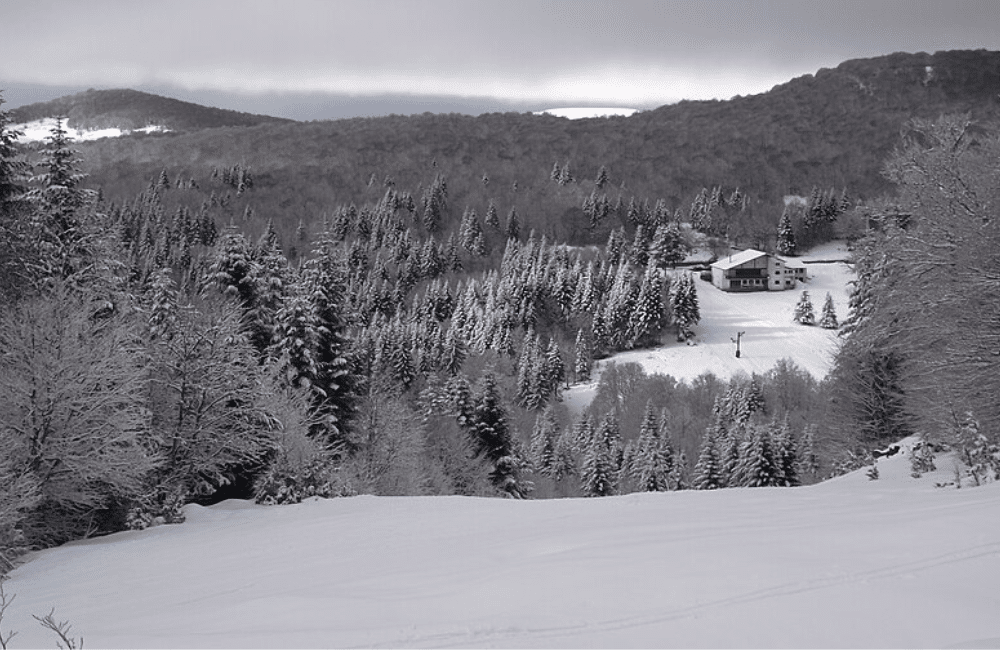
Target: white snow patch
39, 130
587, 112
765, 317
847, 563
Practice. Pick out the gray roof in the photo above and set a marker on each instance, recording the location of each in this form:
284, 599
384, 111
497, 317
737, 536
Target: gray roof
739, 258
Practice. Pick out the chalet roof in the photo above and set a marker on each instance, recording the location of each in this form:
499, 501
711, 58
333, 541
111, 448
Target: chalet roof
739, 258
794, 264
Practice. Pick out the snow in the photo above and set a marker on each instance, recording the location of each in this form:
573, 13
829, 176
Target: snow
39, 130
851, 562
588, 112
766, 319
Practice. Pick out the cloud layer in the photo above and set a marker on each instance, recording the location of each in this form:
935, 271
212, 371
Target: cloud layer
636, 53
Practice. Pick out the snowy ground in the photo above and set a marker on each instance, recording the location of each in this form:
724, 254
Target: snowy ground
848, 563
766, 319
40, 129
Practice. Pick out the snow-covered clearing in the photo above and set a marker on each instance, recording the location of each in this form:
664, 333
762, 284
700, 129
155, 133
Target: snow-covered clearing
766, 319
847, 563
39, 130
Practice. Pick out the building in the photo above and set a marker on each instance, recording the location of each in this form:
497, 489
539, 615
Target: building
753, 270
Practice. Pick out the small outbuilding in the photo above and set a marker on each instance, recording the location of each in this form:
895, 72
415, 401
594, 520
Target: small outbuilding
753, 270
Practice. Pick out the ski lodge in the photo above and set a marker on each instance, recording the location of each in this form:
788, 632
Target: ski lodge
753, 270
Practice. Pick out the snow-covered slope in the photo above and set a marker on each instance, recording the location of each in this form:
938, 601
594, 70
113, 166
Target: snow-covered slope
38, 130
848, 563
766, 319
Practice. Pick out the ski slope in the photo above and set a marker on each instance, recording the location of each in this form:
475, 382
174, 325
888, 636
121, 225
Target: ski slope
765, 317
848, 563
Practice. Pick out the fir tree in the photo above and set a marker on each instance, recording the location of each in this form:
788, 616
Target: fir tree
786, 235
513, 228
828, 318
492, 439
684, 306
668, 247
646, 319
758, 466
708, 470
492, 217
581, 358
543, 442
602, 177
597, 474
804, 311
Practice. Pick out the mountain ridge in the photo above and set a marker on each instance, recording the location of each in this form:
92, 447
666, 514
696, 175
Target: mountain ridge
128, 110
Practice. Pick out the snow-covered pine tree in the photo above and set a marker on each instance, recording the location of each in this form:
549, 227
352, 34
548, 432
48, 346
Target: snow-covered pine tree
513, 228
543, 442
161, 298
646, 319
808, 461
651, 463
708, 469
758, 465
553, 370
804, 314
597, 474
581, 358
828, 318
684, 306
786, 453
491, 438
786, 235
492, 218
668, 247
563, 458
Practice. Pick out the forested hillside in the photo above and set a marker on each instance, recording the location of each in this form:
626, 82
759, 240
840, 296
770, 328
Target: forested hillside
833, 129
395, 306
130, 109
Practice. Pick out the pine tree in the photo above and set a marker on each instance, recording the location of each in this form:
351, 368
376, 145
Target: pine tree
651, 464
513, 228
647, 316
602, 177
828, 318
491, 438
668, 247
758, 466
492, 217
597, 474
543, 442
804, 311
786, 235
581, 358
684, 306
708, 470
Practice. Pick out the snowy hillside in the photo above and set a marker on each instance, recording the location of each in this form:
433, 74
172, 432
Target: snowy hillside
38, 130
895, 562
766, 319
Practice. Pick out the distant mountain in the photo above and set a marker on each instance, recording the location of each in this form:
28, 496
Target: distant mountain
130, 110
831, 130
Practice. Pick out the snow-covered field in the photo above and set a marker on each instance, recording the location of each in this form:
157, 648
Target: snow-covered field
40, 129
766, 319
848, 563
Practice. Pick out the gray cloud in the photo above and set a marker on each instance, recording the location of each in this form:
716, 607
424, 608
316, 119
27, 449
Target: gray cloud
640, 52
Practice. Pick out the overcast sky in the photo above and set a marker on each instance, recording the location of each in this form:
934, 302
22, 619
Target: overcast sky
546, 53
